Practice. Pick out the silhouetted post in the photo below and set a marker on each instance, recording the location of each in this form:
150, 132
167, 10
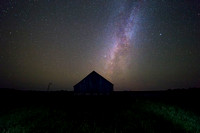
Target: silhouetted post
48, 88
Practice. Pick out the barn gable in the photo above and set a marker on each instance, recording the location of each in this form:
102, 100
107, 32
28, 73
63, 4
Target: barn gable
93, 83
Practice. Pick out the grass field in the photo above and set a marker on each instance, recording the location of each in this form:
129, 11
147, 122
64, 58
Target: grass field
140, 116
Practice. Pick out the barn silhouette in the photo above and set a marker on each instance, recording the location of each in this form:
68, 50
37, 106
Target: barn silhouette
93, 84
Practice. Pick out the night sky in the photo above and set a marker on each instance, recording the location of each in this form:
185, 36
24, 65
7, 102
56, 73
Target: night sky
137, 45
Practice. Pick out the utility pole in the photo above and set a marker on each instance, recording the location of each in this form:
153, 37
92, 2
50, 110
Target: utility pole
48, 88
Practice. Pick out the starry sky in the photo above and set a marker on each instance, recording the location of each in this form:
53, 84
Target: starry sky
136, 44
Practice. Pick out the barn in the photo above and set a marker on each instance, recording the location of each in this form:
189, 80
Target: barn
93, 84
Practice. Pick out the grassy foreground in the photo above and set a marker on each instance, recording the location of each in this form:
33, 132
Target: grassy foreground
140, 116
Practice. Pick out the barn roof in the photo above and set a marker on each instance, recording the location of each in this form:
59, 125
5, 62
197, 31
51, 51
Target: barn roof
93, 73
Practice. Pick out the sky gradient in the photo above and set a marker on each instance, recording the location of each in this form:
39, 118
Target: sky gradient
137, 45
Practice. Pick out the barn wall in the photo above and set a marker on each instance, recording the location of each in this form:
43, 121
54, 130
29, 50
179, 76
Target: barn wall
93, 84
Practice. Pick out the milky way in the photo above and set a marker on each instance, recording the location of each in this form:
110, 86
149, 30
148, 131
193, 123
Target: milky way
123, 23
